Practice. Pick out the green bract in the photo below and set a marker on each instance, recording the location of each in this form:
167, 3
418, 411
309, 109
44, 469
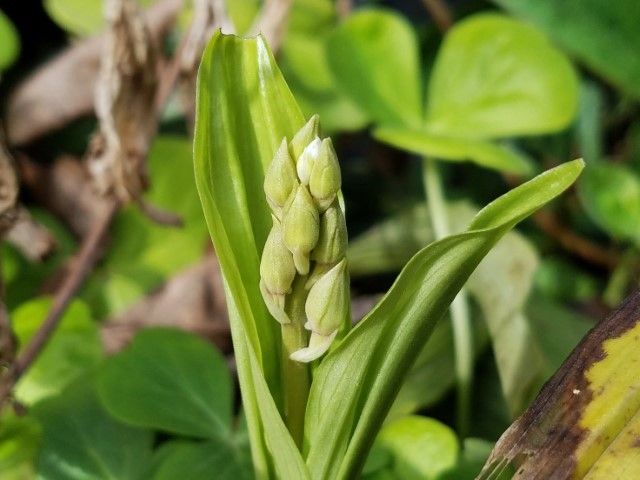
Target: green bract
320, 423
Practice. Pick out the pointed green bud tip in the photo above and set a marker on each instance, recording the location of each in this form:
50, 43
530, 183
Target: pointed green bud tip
307, 160
327, 304
332, 241
304, 136
277, 269
318, 345
275, 304
325, 179
301, 227
280, 179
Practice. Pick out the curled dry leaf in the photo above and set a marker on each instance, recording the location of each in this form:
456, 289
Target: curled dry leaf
192, 300
125, 105
16, 225
64, 188
33, 111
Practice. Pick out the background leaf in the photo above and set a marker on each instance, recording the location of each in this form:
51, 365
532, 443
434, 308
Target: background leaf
389, 91
9, 42
172, 381
420, 447
81, 441
305, 64
80, 17
484, 153
73, 348
611, 197
603, 35
496, 77
19, 444
197, 461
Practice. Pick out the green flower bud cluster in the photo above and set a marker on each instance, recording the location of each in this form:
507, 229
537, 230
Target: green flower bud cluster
308, 239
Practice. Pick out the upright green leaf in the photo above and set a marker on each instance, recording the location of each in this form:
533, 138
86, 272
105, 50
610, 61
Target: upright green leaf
81, 441
603, 35
497, 77
169, 380
244, 110
370, 363
374, 55
500, 285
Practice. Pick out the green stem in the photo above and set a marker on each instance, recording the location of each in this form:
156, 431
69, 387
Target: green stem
295, 375
462, 332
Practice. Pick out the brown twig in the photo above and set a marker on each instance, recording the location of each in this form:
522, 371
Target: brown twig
343, 8
574, 243
440, 13
86, 259
7, 340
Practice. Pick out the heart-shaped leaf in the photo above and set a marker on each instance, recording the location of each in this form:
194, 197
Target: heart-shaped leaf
169, 380
497, 77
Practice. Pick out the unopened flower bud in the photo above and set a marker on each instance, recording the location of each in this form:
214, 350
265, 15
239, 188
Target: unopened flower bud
325, 179
280, 178
277, 269
307, 160
301, 228
277, 272
327, 308
304, 136
332, 241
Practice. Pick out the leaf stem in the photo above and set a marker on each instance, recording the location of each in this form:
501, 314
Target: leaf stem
295, 376
462, 333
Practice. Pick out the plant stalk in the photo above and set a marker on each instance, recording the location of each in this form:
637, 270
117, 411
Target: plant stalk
462, 332
295, 375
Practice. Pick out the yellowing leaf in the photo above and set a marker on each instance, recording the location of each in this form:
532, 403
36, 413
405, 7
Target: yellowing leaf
585, 423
